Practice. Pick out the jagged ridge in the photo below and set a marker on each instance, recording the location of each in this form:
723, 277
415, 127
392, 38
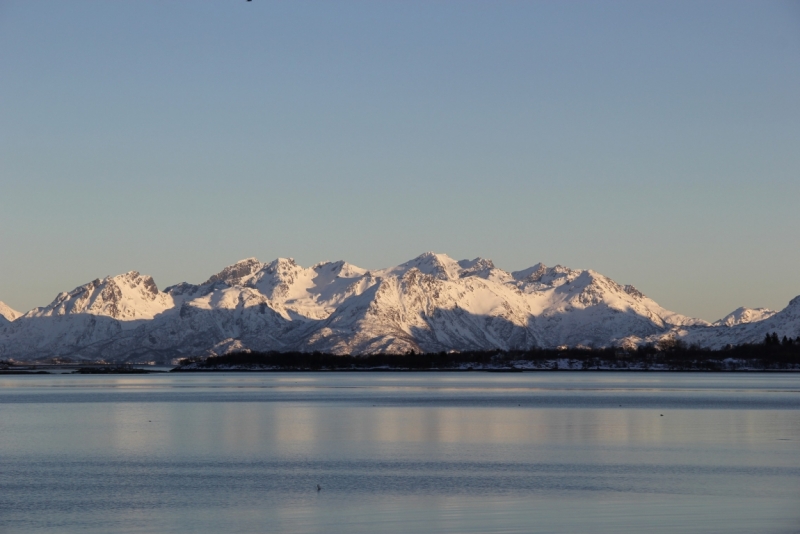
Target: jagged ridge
430, 303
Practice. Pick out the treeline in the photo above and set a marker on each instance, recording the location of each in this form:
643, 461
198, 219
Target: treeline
671, 354
772, 353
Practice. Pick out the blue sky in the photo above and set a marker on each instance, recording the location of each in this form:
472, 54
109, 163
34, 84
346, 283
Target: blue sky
655, 142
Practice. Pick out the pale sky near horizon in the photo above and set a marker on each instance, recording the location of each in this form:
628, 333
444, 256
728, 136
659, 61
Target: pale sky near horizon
655, 142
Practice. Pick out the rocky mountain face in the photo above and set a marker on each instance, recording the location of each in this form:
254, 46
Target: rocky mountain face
430, 303
125, 297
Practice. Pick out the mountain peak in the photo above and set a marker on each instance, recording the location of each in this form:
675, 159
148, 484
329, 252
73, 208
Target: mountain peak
430, 303
745, 315
281, 268
439, 266
7, 313
483, 263
475, 266
124, 297
532, 274
283, 261
134, 280
237, 273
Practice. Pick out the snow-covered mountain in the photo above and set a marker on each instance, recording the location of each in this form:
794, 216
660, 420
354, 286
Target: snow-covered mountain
430, 303
745, 315
743, 327
126, 297
7, 314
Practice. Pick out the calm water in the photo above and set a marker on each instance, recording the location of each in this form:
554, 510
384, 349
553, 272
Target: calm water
401, 452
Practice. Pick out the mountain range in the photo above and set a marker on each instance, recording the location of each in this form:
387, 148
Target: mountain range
431, 303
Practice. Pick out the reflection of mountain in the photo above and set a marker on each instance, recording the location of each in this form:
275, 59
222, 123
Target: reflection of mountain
431, 303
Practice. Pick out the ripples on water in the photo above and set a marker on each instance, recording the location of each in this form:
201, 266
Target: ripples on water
401, 452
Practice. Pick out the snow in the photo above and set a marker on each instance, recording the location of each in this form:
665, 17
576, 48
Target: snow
429, 303
126, 297
440, 266
7, 314
745, 315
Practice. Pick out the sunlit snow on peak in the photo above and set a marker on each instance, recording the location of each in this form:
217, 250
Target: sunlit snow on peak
429, 303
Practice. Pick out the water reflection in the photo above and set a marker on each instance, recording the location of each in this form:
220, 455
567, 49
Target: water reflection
471, 453
287, 430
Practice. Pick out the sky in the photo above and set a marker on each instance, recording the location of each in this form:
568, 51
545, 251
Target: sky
655, 142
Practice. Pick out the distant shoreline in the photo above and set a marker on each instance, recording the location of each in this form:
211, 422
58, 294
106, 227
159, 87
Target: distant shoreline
675, 357
502, 371
770, 356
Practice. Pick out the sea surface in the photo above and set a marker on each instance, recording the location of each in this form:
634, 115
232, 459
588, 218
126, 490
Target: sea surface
542, 452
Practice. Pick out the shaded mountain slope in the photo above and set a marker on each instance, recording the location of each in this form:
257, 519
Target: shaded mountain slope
430, 303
